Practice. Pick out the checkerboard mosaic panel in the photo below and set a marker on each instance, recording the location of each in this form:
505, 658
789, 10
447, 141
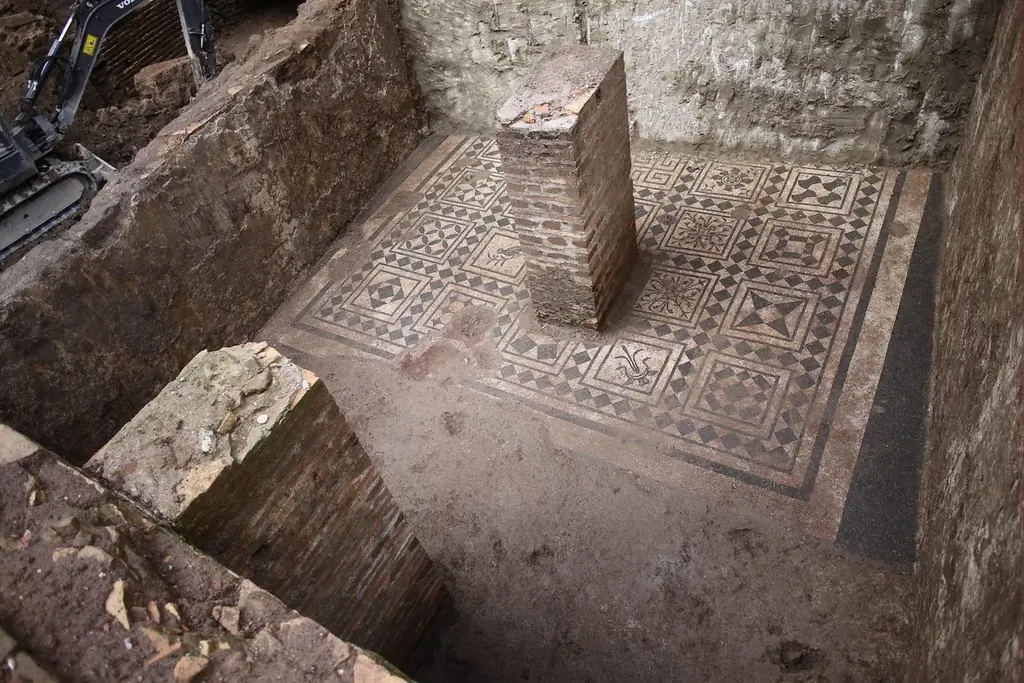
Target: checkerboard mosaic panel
724, 356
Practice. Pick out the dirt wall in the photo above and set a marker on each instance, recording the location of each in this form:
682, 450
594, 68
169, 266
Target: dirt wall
968, 613
887, 80
210, 228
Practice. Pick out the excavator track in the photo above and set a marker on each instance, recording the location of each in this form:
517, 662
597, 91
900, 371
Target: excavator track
57, 195
37, 192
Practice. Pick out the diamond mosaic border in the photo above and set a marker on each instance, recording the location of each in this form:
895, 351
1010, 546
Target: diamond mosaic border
656, 375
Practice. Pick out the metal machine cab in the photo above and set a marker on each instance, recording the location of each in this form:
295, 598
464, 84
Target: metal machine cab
38, 190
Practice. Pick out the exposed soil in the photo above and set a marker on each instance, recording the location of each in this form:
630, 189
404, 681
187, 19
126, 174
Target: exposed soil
93, 590
25, 30
110, 125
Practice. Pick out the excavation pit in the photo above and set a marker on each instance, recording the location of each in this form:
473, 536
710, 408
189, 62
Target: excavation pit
722, 482
142, 81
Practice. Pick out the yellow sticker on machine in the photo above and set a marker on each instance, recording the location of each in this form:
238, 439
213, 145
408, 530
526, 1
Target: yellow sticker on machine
89, 46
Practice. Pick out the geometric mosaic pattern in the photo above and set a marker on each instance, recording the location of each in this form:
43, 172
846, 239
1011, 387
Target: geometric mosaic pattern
702, 232
771, 315
801, 248
728, 353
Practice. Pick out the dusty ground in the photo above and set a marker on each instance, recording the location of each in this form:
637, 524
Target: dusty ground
565, 568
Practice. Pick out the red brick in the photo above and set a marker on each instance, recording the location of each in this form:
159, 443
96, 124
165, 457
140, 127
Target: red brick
569, 160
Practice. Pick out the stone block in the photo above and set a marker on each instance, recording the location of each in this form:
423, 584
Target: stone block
248, 457
169, 82
564, 143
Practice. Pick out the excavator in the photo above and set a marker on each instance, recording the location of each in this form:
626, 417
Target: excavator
38, 190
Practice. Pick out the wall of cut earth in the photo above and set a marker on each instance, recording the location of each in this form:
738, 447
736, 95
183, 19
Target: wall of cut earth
211, 227
968, 613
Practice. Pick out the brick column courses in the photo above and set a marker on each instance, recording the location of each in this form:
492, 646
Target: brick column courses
248, 457
565, 154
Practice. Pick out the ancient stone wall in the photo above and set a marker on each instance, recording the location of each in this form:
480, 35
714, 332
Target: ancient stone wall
210, 228
968, 613
841, 79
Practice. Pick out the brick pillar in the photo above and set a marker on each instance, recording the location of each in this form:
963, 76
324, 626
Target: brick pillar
247, 456
564, 143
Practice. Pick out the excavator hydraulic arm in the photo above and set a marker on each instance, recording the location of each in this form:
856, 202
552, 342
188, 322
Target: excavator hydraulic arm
92, 20
38, 191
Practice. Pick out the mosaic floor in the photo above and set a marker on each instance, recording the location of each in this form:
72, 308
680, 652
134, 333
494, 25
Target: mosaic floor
737, 348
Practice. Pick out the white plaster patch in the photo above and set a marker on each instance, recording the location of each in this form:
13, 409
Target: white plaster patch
650, 16
932, 126
972, 591
514, 45
961, 27
14, 446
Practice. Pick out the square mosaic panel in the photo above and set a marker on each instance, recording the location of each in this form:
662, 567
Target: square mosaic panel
451, 300
729, 354
474, 189
535, 351
435, 237
827, 191
382, 294
703, 233
739, 393
726, 180
659, 171
674, 295
799, 247
770, 315
633, 367
499, 257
